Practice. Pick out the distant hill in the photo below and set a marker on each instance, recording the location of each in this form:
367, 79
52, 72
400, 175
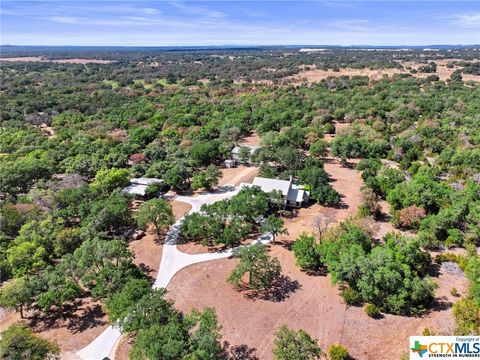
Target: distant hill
7, 50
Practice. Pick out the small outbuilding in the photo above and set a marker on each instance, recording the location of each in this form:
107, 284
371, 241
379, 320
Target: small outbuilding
237, 149
138, 186
229, 163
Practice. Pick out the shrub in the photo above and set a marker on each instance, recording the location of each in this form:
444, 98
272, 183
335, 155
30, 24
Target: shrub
372, 310
351, 297
467, 317
304, 249
460, 260
18, 342
295, 345
454, 239
329, 128
363, 211
409, 217
427, 332
454, 292
338, 352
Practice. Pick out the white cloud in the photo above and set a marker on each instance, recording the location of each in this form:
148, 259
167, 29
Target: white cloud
467, 21
363, 25
196, 10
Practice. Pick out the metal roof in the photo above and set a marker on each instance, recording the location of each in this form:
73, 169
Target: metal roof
135, 189
268, 185
296, 195
252, 148
145, 181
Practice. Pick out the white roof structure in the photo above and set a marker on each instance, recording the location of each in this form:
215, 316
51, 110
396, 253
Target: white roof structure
296, 195
252, 148
138, 186
145, 181
268, 185
134, 189
292, 193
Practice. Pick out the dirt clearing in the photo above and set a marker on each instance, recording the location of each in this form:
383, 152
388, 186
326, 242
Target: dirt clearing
314, 305
253, 139
72, 330
180, 209
235, 176
314, 75
339, 129
147, 253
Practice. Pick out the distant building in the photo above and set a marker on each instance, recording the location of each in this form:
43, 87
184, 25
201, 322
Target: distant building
229, 163
138, 186
293, 195
236, 151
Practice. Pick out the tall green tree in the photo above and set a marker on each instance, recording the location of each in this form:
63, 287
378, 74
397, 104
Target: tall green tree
244, 154
275, 226
108, 180
15, 295
261, 269
206, 179
120, 303
157, 212
18, 342
304, 250
319, 149
295, 345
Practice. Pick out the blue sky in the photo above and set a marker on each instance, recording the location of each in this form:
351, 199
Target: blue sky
151, 23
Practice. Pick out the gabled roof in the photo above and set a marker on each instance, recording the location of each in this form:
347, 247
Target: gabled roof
138, 186
135, 189
145, 181
268, 185
252, 148
296, 195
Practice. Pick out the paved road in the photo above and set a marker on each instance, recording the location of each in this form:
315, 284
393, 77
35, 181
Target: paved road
173, 260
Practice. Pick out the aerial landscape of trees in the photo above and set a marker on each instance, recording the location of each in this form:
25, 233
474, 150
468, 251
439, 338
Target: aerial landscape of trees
66, 224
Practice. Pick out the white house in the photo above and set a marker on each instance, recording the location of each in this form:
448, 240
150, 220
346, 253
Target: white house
293, 195
236, 151
138, 186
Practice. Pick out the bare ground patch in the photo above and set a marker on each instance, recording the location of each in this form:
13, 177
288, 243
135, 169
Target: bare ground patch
123, 348
314, 75
253, 139
315, 307
235, 176
339, 128
71, 329
147, 253
180, 209
253, 322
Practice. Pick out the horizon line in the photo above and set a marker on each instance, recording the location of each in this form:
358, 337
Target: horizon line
244, 45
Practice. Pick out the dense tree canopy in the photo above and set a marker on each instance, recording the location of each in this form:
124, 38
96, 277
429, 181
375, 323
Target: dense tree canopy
72, 135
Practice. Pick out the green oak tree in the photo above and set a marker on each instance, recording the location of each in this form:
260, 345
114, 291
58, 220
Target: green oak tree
18, 342
295, 345
275, 226
261, 269
157, 212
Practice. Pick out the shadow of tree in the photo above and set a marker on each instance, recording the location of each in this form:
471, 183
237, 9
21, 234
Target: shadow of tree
147, 270
239, 352
91, 317
441, 304
74, 319
434, 269
281, 288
